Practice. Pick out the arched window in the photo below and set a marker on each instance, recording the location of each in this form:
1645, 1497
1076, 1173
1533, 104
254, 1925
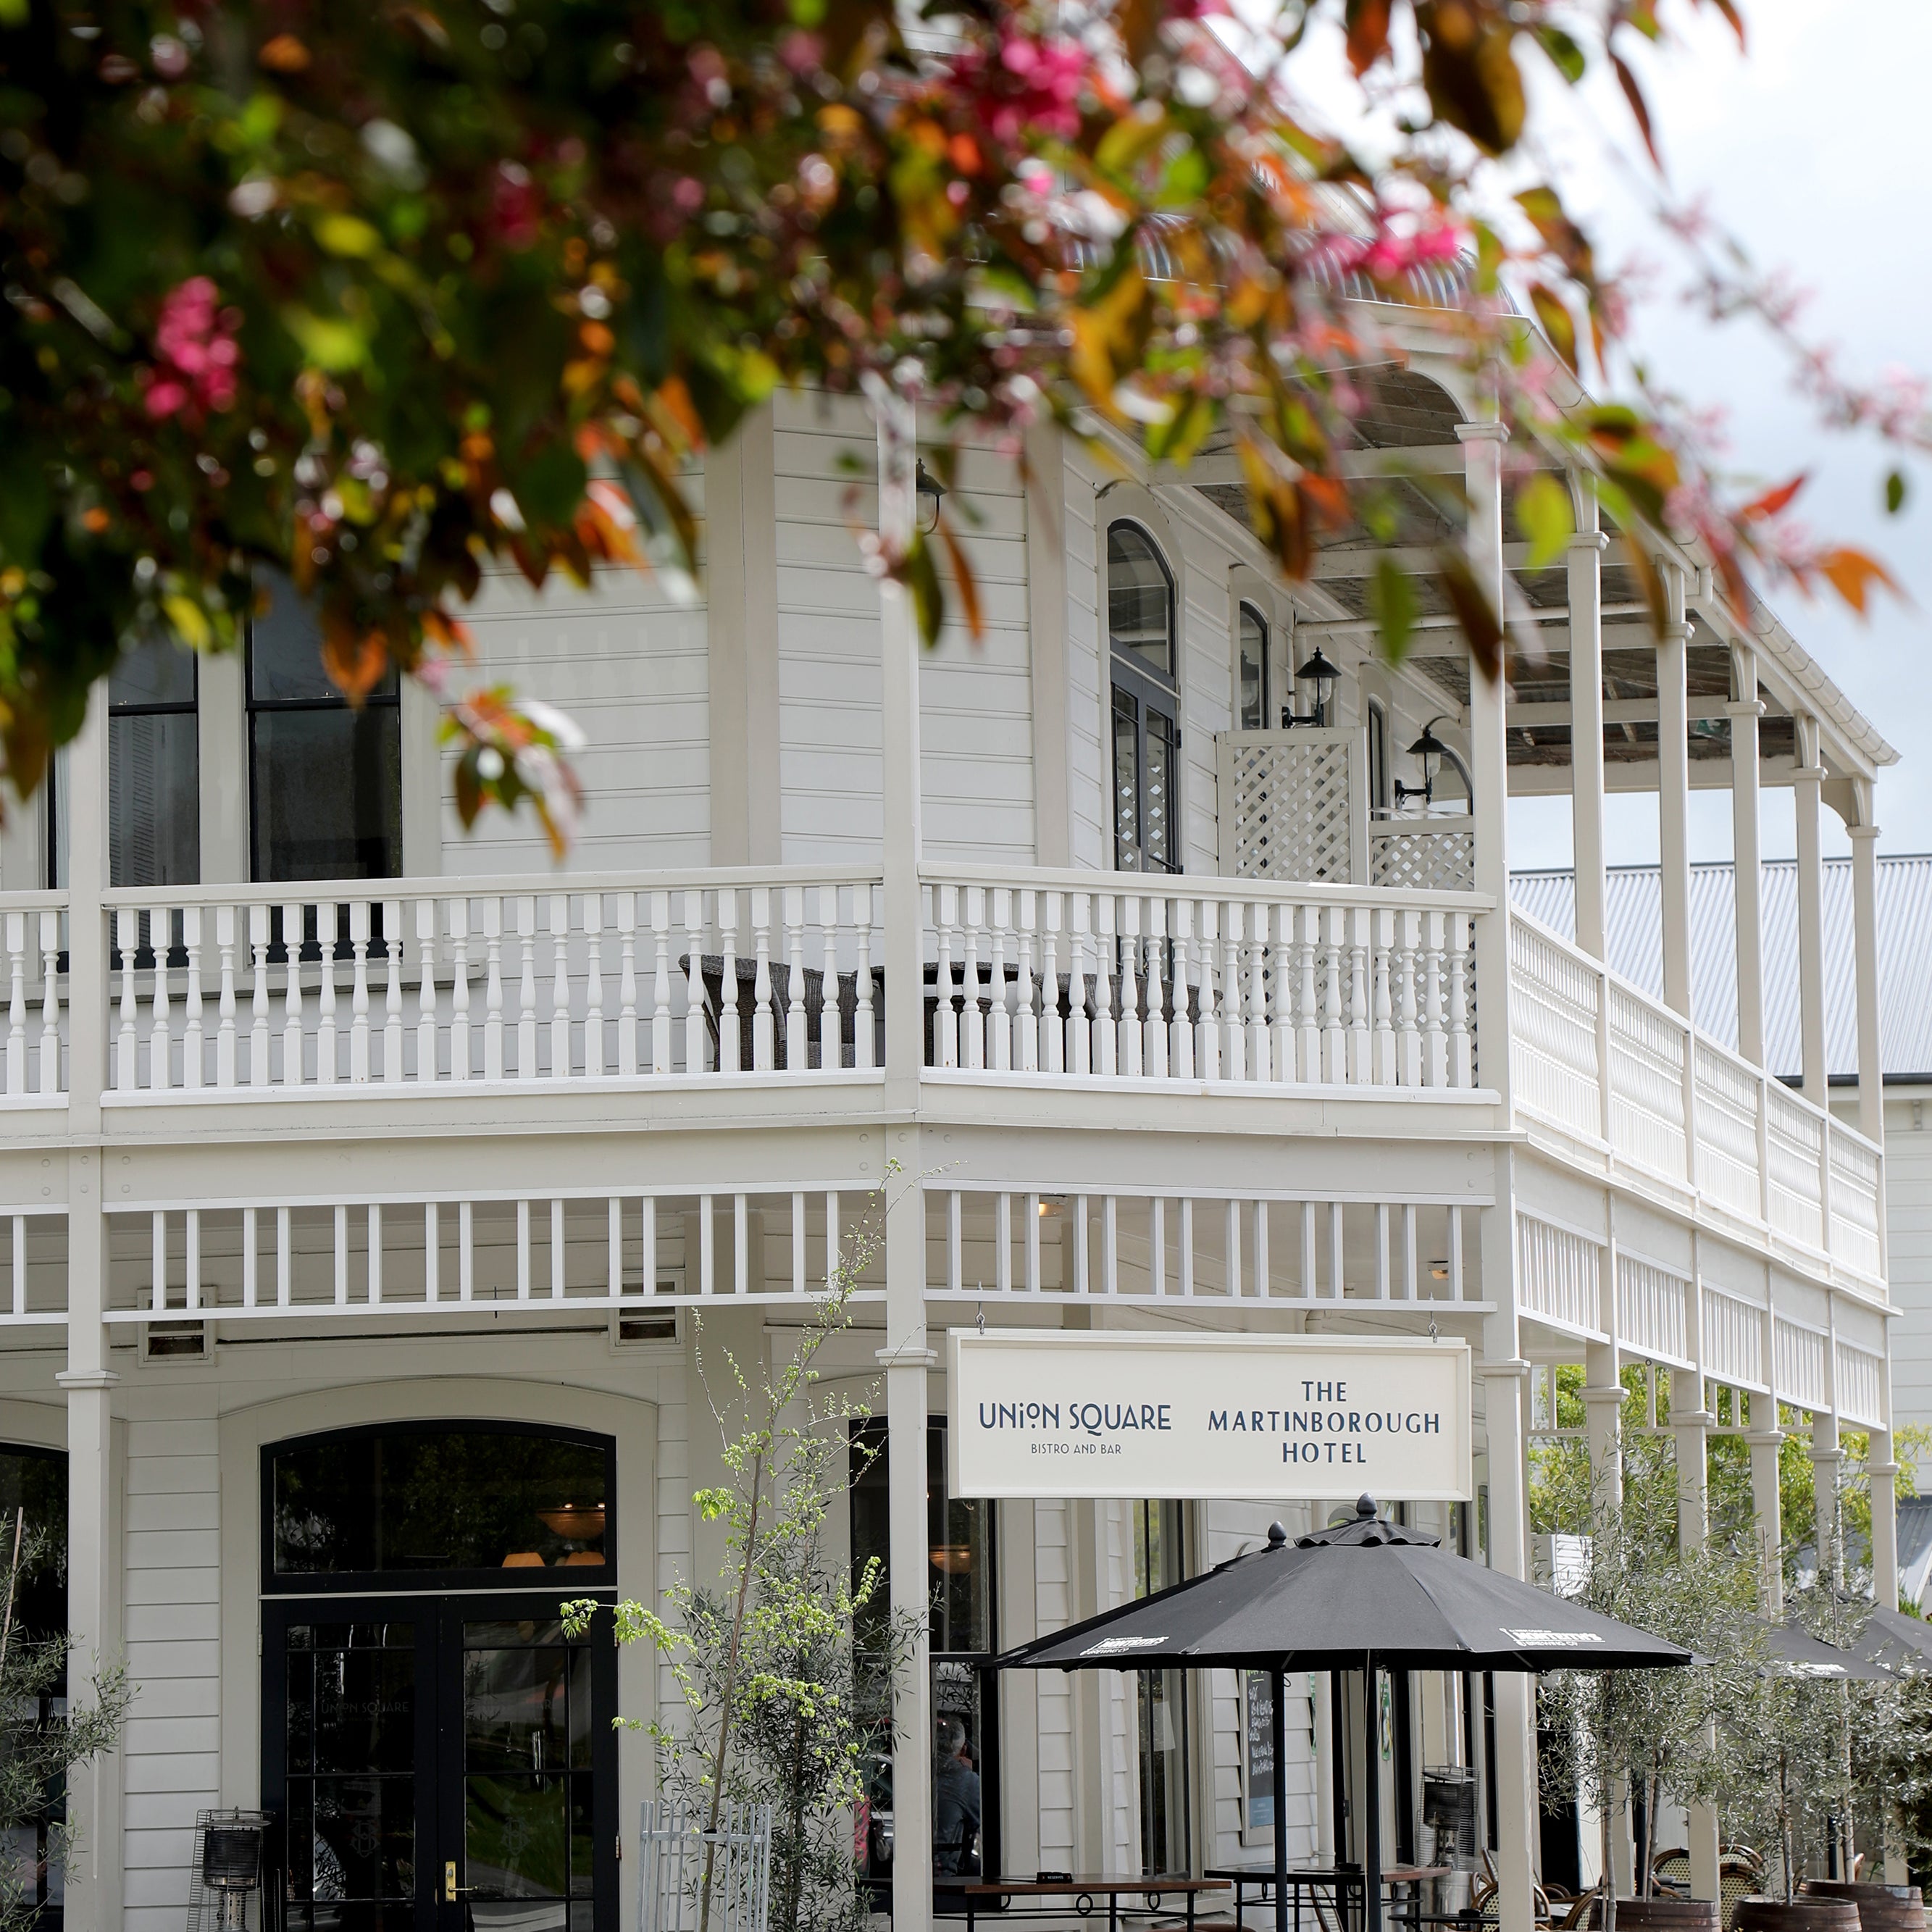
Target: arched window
1378, 756
1146, 702
472, 1505
1251, 692
1140, 601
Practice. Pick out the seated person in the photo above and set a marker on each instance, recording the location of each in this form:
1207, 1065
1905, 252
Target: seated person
955, 1803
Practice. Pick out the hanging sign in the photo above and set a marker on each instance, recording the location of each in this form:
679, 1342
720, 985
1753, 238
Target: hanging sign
1240, 1417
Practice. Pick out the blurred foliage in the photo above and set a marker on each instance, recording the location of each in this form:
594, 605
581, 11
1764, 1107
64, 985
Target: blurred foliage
387, 296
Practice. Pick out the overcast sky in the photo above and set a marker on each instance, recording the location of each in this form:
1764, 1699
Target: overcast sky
1809, 147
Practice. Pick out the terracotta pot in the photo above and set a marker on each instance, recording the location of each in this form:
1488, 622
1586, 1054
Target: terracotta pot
1882, 1908
1758, 1914
1663, 1914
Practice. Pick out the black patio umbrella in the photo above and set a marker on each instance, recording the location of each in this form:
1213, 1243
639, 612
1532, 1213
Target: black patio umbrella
1902, 1644
1368, 1595
1795, 1649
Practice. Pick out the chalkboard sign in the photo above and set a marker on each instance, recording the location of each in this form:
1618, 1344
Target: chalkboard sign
1258, 1765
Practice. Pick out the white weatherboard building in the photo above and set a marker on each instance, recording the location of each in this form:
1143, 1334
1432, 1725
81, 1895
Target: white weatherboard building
1903, 885
365, 1179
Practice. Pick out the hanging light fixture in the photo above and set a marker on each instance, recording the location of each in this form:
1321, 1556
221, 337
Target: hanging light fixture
1431, 750
1318, 671
929, 490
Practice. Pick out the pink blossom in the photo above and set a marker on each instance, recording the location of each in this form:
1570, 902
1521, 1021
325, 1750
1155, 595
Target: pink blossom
196, 352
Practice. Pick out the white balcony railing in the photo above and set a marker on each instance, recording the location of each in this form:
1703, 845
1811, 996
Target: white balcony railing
1606, 1065
1103, 976
423, 984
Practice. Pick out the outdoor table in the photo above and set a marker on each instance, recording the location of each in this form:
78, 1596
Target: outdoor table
983, 1894
1340, 1879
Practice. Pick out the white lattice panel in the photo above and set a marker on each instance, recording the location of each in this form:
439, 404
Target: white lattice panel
1861, 1385
1292, 805
1733, 1339
1423, 857
1557, 1274
1650, 1309
1798, 1363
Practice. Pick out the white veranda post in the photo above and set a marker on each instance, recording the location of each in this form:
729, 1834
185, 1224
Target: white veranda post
906, 1357
1504, 1372
94, 1789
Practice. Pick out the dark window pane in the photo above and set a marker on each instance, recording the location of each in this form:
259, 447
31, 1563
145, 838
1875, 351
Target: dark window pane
285, 650
328, 794
442, 1499
364, 1716
516, 1710
1140, 600
1127, 782
517, 1838
157, 672
153, 785
1157, 796
1253, 693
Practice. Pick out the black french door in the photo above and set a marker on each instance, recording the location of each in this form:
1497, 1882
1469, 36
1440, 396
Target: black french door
441, 1764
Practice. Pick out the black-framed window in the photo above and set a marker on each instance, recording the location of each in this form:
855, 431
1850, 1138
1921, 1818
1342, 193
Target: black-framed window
1251, 669
1159, 1563
1379, 799
961, 1594
1145, 707
325, 777
467, 1504
154, 773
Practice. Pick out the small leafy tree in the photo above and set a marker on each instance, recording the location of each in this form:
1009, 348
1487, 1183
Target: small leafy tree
40, 1742
775, 1697
1656, 1734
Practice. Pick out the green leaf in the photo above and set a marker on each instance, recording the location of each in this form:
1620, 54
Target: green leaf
1895, 492
1393, 605
712, 1504
1565, 56
348, 235
1543, 515
329, 342
189, 621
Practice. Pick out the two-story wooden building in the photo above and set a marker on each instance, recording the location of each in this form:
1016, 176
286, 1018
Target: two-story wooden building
366, 1178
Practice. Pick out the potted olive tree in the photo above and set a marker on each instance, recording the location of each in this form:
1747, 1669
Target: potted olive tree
1653, 1736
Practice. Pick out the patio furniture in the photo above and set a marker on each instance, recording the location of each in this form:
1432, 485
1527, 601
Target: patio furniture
975, 1895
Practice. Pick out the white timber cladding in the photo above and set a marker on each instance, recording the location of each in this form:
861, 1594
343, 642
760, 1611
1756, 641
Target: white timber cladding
1798, 1362
171, 1748
626, 660
1053, 1596
1089, 758
1733, 1338
976, 695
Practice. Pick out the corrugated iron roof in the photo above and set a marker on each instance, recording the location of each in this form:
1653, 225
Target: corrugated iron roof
1633, 909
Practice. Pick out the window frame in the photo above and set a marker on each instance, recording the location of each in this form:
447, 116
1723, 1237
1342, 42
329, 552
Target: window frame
593, 1578
1148, 692
253, 707
1246, 607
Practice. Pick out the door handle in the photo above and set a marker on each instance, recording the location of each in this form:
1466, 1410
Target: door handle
451, 1891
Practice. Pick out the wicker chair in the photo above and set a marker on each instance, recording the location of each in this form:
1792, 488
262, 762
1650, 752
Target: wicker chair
1670, 1872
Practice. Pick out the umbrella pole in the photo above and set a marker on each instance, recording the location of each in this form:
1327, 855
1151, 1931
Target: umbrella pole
1371, 1799
1278, 1744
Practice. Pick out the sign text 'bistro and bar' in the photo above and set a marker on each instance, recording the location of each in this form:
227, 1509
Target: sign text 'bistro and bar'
1237, 1418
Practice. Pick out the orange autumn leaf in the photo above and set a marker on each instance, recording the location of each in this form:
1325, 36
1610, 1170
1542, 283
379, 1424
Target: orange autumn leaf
1773, 501
284, 54
1853, 574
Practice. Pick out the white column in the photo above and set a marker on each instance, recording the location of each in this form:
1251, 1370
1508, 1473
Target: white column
1884, 1473
1865, 932
1504, 1371
1489, 766
906, 1358
93, 1885
1808, 779
1745, 708
1586, 715
1689, 1422
1673, 790
1766, 1504
1825, 1456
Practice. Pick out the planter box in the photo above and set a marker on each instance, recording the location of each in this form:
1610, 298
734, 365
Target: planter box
1667, 1915
1758, 1914
1882, 1908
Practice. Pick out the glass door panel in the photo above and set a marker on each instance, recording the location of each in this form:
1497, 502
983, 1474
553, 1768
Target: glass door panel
529, 1785
351, 1738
